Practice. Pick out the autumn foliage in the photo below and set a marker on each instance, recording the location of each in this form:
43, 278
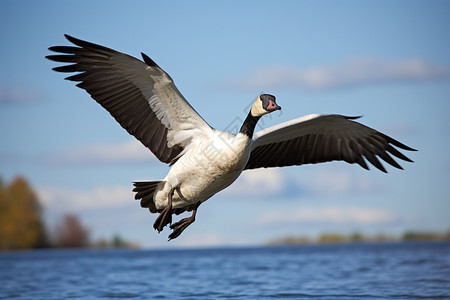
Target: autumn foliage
21, 225
71, 233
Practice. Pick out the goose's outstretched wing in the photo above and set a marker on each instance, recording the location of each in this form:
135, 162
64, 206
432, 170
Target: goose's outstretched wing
320, 138
140, 96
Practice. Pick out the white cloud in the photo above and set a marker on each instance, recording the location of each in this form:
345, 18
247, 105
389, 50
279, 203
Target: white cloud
338, 181
356, 71
254, 184
18, 94
130, 151
100, 197
328, 214
320, 181
257, 183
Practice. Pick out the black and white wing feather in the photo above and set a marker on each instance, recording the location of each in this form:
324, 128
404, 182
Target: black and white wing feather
321, 138
140, 96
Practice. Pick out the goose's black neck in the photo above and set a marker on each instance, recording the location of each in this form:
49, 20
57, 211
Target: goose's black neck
249, 125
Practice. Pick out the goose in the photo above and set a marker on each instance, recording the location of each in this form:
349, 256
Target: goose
144, 100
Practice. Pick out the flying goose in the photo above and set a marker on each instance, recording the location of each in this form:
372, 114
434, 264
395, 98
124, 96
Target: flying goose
143, 98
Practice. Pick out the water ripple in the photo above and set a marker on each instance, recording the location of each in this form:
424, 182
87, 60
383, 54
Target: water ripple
364, 271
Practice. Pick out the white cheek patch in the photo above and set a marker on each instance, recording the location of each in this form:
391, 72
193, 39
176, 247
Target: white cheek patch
257, 109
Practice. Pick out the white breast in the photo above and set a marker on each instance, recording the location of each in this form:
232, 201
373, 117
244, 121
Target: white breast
205, 169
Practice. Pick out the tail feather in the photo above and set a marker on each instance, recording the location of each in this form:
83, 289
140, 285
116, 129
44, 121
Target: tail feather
144, 191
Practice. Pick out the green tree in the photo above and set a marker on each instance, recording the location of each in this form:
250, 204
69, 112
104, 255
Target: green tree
21, 225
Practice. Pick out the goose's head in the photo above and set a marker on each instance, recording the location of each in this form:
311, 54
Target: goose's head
263, 105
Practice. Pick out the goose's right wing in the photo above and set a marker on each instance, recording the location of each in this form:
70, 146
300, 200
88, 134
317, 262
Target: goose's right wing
140, 96
320, 138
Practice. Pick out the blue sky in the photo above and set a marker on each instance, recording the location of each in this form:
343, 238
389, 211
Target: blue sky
388, 61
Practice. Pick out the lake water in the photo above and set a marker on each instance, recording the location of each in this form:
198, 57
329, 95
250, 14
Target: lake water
350, 271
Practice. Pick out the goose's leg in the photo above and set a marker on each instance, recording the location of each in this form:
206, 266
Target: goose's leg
181, 225
165, 217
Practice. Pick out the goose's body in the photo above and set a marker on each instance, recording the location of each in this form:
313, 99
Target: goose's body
210, 166
145, 101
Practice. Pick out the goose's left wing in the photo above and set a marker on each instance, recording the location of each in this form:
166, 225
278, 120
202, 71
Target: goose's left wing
140, 95
320, 138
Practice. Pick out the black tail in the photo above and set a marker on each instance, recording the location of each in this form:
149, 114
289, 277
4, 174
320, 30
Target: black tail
144, 191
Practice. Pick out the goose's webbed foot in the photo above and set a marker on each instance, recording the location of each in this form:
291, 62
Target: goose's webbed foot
181, 225
165, 217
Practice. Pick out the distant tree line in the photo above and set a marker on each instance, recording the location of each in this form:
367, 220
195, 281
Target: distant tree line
333, 238
22, 225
